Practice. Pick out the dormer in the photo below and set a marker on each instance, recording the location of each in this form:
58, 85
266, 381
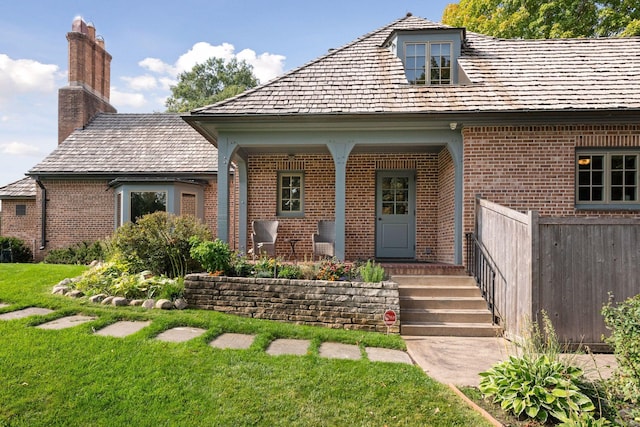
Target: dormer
430, 56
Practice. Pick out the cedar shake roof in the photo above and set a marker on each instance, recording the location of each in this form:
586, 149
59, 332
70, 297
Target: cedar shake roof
132, 144
21, 189
362, 77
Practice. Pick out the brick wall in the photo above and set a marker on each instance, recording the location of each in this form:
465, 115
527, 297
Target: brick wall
21, 227
76, 107
319, 196
446, 207
76, 211
533, 167
347, 305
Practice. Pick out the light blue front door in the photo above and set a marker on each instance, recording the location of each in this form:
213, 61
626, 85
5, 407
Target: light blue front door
395, 214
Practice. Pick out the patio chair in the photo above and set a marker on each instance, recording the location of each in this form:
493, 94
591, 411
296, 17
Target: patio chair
324, 241
263, 237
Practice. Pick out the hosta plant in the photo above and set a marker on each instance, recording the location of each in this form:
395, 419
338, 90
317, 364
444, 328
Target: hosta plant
538, 387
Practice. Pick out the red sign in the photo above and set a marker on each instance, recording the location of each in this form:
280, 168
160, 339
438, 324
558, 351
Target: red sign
389, 317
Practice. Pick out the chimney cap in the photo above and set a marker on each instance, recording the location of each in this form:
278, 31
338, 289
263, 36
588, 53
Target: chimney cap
79, 26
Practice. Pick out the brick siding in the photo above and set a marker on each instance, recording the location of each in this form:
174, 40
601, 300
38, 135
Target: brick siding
22, 227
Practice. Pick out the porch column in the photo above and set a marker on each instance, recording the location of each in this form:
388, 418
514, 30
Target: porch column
340, 152
454, 146
225, 150
242, 204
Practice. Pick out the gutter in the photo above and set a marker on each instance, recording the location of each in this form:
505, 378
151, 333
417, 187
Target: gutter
43, 226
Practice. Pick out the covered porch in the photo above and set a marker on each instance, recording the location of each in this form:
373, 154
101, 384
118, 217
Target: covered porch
349, 172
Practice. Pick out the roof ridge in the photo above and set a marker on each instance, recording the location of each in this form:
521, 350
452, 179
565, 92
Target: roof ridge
306, 65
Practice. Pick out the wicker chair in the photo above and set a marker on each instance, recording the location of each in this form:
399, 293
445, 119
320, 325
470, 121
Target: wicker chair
263, 237
324, 241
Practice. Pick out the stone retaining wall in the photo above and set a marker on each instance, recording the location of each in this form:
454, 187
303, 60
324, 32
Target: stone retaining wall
348, 305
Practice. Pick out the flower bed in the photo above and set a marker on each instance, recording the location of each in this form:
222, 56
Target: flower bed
333, 304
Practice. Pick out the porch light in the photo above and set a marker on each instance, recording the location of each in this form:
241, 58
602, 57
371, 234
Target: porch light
584, 161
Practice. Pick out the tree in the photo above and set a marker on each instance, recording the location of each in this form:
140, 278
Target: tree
538, 19
210, 82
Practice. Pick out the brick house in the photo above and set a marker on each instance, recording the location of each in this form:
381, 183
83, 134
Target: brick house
394, 134
108, 168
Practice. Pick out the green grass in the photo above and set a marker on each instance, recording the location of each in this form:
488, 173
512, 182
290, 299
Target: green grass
70, 377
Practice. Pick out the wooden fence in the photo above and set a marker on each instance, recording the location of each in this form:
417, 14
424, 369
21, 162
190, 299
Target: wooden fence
567, 267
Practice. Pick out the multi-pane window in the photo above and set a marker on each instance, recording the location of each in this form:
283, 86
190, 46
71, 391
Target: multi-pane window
146, 202
290, 193
607, 178
395, 196
435, 71
21, 210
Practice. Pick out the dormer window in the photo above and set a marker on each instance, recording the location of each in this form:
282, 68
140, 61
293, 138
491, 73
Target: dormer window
435, 71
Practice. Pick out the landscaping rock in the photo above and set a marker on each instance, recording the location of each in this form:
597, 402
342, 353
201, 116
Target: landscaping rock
94, 263
180, 303
119, 301
60, 289
65, 282
75, 294
107, 300
164, 304
136, 302
96, 299
149, 304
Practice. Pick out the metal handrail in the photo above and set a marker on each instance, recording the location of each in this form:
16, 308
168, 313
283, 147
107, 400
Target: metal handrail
480, 265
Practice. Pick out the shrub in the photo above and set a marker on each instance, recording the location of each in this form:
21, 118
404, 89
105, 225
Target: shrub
624, 322
81, 253
215, 257
266, 267
290, 272
332, 269
371, 272
20, 252
240, 265
160, 242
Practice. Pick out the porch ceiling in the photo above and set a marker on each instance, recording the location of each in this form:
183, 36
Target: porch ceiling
358, 149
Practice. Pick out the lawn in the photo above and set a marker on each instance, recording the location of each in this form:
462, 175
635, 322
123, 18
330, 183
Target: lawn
71, 377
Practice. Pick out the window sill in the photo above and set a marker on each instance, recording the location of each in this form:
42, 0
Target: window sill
608, 207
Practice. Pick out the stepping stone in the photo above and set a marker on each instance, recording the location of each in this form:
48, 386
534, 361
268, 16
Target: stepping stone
180, 334
288, 346
19, 314
122, 329
376, 354
66, 322
334, 350
233, 341
3, 305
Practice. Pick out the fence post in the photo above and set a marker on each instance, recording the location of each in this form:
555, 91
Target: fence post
534, 268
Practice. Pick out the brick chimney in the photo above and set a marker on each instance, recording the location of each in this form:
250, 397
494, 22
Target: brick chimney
89, 80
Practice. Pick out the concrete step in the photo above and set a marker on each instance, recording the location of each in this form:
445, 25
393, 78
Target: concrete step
439, 291
446, 316
417, 281
452, 303
450, 329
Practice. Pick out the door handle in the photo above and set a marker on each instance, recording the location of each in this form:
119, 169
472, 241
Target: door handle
379, 219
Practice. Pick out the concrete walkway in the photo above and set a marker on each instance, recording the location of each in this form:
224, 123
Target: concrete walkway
459, 360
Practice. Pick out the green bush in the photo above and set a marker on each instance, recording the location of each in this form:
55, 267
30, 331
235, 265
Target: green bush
20, 252
215, 257
290, 272
240, 265
160, 242
266, 267
624, 322
371, 272
81, 253
538, 387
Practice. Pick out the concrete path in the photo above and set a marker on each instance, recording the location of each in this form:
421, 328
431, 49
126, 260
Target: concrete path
122, 329
459, 360
233, 341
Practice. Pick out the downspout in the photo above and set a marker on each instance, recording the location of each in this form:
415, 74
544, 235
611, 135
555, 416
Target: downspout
43, 225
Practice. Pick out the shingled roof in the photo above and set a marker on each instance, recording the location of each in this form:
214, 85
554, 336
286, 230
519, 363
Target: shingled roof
24, 188
132, 144
362, 77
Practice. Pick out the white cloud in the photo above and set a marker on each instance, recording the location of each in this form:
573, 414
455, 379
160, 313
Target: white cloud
19, 149
156, 65
25, 75
266, 66
144, 82
127, 99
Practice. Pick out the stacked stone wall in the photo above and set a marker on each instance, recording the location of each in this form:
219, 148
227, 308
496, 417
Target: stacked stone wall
338, 305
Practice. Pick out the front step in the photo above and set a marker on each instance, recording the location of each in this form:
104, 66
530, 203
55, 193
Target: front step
443, 306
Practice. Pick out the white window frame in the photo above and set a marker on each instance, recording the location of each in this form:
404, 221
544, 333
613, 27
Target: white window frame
428, 45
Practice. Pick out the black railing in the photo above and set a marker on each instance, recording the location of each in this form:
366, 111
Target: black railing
480, 266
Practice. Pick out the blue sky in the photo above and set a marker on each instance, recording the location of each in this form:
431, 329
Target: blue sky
151, 41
